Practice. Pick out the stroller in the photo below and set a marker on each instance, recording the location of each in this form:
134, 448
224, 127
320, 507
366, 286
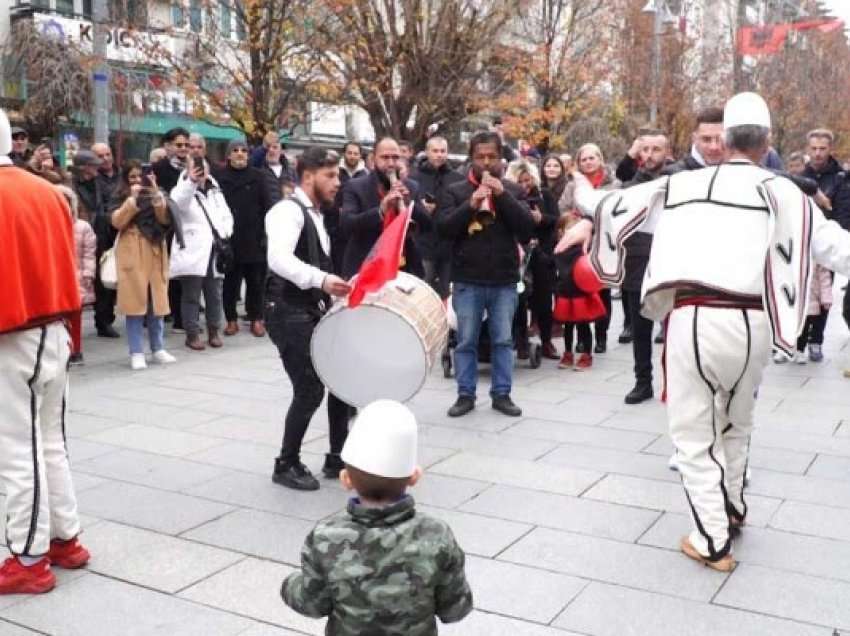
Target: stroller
535, 350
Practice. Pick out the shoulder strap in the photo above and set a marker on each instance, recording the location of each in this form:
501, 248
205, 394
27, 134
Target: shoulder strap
212, 227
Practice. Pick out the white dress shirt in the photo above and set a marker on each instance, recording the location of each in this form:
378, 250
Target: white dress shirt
284, 223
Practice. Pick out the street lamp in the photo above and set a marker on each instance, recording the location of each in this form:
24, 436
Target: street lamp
662, 15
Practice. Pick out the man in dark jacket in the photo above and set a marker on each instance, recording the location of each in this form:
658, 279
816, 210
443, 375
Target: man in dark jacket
352, 164
108, 173
485, 221
21, 151
167, 170
434, 177
93, 204
248, 192
833, 182
367, 200
653, 154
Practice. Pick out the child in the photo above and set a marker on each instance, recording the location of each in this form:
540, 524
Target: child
820, 301
381, 567
575, 307
86, 246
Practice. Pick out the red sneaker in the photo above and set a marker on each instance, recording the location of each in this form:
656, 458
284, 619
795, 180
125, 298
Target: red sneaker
585, 361
68, 554
566, 361
17, 578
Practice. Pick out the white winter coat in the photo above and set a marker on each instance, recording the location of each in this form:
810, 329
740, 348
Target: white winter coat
193, 259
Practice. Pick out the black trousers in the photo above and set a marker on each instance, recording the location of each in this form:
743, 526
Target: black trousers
542, 289
174, 300
627, 310
812, 330
291, 329
641, 339
438, 273
600, 327
254, 275
585, 337
104, 299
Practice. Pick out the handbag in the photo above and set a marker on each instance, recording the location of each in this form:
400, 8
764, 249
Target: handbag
225, 259
109, 269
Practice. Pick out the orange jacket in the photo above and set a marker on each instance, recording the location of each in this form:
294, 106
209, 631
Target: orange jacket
38, 275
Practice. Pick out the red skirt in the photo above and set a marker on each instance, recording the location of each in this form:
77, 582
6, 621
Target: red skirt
581, 309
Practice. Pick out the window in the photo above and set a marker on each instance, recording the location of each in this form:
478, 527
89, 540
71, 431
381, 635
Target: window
87, 11
240, 21
224, 12
195, 16
178, 14
65, 6
137, 13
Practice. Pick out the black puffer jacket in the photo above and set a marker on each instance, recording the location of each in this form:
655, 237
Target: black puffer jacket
435, 182
834, 183
248, 193
488, 256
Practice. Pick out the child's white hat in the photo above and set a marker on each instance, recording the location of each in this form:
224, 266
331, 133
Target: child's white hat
383, 440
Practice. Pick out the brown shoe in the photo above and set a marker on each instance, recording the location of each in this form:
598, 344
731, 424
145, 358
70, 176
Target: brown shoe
194, 342
258, 329
232, 328
214, 339
550, 352
726, 564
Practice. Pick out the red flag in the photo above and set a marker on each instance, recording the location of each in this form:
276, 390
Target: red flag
762, 40
383, 261
824, 25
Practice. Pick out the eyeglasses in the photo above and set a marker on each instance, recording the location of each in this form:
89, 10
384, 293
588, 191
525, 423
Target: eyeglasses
245, 150
20, 137
180, 145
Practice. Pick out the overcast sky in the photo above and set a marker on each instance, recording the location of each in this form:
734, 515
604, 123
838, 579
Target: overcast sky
840, 8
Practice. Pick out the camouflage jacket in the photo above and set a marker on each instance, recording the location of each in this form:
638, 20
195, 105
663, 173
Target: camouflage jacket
380, 572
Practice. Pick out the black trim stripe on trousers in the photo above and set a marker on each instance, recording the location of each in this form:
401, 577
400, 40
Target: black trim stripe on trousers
714, 555
34, 433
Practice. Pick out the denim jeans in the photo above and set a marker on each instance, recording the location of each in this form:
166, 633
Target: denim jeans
470, 302
136, 331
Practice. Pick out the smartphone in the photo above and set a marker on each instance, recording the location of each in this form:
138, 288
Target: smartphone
198, 162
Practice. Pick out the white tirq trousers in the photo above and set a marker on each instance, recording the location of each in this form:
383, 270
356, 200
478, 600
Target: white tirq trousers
34, 470
715, 360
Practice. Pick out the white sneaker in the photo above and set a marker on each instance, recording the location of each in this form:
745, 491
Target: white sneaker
800, 357
780, 358
673, 463
163, 357
137, 361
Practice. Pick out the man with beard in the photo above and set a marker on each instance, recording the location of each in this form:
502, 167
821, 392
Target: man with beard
483, 218
369, 204
108, 173
249, 194
434, 177
298, 293
653, 154
352, 164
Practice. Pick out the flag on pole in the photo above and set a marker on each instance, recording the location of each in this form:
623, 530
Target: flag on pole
762, 40
383, 262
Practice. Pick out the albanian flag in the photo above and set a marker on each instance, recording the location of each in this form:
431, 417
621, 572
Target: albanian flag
762, 40
383, 262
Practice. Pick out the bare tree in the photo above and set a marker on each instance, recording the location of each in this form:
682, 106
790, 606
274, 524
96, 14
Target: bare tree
411, 63
248, 63
57, 76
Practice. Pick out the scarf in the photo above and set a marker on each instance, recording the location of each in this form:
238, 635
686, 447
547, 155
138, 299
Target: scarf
596, 178
481, 218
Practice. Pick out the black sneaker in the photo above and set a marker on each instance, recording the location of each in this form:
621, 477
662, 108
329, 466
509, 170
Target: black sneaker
333, 464
76, 359
641, 393
504, 404
294, 475
107, 331
626, 336
463, 406
601, 346
580, 348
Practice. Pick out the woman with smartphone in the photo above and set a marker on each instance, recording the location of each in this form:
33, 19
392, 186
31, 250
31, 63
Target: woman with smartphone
140, 214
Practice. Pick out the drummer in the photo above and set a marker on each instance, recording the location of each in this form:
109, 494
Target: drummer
298, 291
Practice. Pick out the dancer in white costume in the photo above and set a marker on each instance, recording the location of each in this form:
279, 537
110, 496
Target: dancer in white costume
733, 252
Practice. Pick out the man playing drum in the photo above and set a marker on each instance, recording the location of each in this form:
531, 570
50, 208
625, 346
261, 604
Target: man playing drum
298, 293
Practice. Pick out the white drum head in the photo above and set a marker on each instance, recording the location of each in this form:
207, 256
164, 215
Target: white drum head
367, 354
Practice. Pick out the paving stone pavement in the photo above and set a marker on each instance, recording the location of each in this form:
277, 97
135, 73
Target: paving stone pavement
569, 515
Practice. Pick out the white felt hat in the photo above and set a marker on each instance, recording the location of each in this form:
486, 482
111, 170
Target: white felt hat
383, 440
746, 109
5, 134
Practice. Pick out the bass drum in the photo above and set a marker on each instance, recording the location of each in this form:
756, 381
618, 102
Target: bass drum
385, 347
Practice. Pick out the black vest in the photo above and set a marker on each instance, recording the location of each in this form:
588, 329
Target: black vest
307, 250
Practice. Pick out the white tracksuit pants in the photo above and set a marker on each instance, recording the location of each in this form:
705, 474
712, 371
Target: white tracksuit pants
34, 470
715, 360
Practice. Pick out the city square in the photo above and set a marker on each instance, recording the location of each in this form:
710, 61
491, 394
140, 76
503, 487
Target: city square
569, 516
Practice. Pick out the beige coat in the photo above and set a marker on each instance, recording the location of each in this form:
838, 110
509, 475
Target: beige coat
142, 265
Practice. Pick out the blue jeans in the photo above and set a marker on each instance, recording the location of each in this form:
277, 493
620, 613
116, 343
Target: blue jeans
136, 329
470, 302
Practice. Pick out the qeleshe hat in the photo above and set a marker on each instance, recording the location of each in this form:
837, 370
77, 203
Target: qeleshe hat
382, 441
746, 109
